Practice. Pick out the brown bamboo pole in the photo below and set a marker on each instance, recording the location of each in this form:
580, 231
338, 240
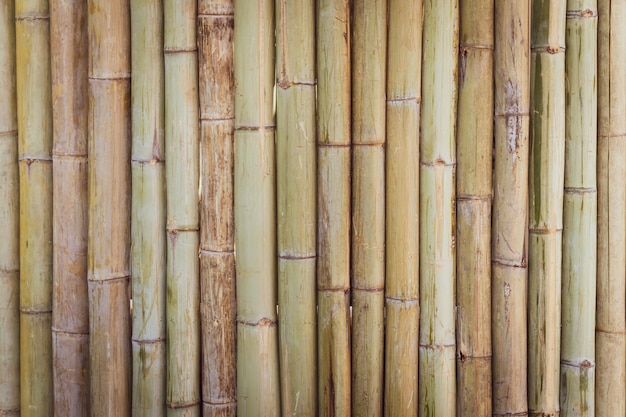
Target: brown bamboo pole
473, 204
217, 257
70, 308
404, 64
333, 206
109, 207
611, 273
9, 220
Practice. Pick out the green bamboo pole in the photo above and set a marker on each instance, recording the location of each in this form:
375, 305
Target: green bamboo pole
546, 172
148, 255
369, 56
473, 188
109, 207
70, 308
258, 391
437, 389
404, 64
509, 266
34, 112
217, 256
333, 207
296, 205
610, 398
9, 220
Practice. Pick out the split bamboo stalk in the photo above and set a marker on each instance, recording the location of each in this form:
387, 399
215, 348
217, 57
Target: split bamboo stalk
404, 64
473, 188
217, 257
509, 267
9, 220
34, 118
610, 394
296, 205
258, 385
579, 213
70, 310
437, 367
333, 206
547, 165
182, 177
148, 255
369, 56
109, 207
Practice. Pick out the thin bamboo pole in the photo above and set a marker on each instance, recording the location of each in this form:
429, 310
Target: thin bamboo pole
333, 207
510, 207
217, 257
148, 255
404, 65
296, 205
474, 188
70, 310
611, 273
437, 390
9, 220
34, 114
109, 207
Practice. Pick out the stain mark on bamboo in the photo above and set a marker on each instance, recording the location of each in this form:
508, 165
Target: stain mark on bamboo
550, 49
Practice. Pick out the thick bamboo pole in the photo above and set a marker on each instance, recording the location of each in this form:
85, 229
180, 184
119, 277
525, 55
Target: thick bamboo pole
510, 207
148, 255
296, 205
217, 256
437, 389
70, 311
333, 207
109, 207
369, 56
404, 64
611, 273
473, 188
34, 112
9, 220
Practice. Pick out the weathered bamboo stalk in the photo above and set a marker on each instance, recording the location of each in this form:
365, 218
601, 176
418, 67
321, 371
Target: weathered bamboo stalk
404, 64
296, 219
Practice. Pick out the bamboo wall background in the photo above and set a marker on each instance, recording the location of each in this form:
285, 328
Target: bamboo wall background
313, 208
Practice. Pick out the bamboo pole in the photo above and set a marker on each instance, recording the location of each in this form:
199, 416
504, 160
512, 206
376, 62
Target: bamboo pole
437, 390
474, 188
611, 273
34, 107
9, 220
148, 255
109, 207
510, 207
296, 205
70, 311
404, 55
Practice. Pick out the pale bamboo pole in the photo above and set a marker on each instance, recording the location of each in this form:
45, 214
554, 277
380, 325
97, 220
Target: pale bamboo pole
437, 367
333, 207
474, 188
577, 393
70, 310
148, 255
109, 207
547, 165
34, 118
258, 385
369, 56
611, 272
9, 220
217, 257
296, 205
404, 65
509, 228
